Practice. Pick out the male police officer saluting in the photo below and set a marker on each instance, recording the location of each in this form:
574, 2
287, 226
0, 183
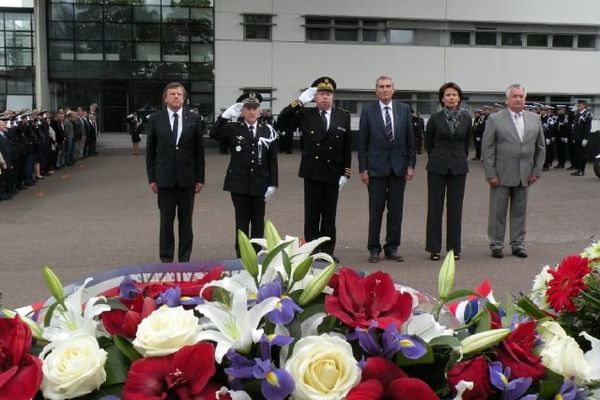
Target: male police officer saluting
252, 172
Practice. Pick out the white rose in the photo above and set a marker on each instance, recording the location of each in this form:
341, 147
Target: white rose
323, 368
561, 353
165, 331
72, 367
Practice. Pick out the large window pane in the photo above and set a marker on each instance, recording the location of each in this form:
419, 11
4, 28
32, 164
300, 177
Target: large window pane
402, 36
537, 40
88, 50
175, 14
485, 38
17, 21
176, 52
317, 34
61, 50
147, 51
88, 30
201, 33
373, 35
118, 51
146, 14
175, 33
60, 30
117, 14
87, 12
586, 41
346, 35
1, 40
147, 32
61, 12
460, 38
19, 57
562, 41
18, 39
511, 39
19, 85
203, 15
117, 31
427, 38
202, 53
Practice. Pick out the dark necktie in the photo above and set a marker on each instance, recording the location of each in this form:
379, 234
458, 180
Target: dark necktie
389, 132
251, 127
324, 120
175, 125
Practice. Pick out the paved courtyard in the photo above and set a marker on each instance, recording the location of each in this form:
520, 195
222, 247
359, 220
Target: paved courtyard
101, 214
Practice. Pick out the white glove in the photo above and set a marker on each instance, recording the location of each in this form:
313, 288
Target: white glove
343, 181
233, 111
548, 141
584, 142
308, 95
269, 193
564, 140
478, 139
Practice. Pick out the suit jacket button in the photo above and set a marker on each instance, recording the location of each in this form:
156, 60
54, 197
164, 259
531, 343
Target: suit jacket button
318, 144
252, 152
252, 161
251, 169
330, 148
176, 147
316, 157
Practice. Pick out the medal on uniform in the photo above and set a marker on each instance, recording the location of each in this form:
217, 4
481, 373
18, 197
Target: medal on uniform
238, 148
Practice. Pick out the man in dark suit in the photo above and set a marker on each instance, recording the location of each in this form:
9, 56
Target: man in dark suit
326, 156
582, 126
175, 167
252, 172
386, 160
513, 152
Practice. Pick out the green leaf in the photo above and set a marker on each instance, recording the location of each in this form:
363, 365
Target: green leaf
117, 365
449, 341
302, 269
485, 322
548, 389
271, 235
287, 264
446, 276
126, 348
249, 259
272, 253
530, 308
50, 311
457, 294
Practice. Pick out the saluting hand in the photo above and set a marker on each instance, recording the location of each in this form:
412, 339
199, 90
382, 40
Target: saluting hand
233, 111
308, 95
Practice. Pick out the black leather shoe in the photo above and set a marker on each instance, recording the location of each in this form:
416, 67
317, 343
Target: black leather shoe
577, 173
393, 255
374, 256
571, 168
559, 166
435, 256
521, 253
497, 253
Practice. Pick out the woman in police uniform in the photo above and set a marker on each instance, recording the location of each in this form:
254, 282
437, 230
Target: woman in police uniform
252, 172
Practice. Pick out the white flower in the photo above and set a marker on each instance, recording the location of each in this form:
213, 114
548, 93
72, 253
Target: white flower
592, 253
323, 368
425, 327
233, 394
593, 356
237, 327
165, 331
561, 353
72, 367
540, 285
462, 387
68, 320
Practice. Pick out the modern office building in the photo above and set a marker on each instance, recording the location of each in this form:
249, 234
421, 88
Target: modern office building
120, 53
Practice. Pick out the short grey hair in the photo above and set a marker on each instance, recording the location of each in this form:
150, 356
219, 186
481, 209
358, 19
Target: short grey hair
383, 78
516, 86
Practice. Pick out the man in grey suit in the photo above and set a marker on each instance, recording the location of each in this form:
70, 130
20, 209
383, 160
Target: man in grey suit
513, 155
386, 160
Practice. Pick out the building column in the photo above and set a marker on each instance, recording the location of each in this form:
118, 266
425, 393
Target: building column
40, 58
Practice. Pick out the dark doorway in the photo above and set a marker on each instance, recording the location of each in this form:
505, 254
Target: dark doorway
114, 110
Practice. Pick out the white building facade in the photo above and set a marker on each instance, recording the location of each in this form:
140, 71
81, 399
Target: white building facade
278, 47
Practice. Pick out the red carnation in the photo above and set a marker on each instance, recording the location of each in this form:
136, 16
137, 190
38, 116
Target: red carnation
125, 323
476, 371
567, 283
184, 375
358, 301
516, 352
20, 372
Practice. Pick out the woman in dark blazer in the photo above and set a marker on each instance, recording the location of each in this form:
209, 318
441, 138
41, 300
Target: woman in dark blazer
447, 146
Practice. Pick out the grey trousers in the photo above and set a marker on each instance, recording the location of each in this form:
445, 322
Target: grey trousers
500, 199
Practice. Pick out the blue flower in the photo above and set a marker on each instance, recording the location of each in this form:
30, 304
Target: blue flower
127, 289
511, 390
570, 391
392, 342
286, 307
172, 298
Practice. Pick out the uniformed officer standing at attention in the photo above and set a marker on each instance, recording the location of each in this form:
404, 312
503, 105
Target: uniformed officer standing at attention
326, 156
563, 131
478, 128
582, 126
252, 172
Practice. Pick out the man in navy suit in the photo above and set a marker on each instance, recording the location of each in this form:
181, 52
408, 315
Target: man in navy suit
175, 167
386, 160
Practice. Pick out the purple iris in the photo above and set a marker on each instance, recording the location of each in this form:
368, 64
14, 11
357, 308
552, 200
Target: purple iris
172, 298
511, 390
127, 289
285, 309
392, 342
266, 342
570, 391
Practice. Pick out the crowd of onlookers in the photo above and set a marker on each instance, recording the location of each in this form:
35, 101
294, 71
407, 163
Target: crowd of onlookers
34, 144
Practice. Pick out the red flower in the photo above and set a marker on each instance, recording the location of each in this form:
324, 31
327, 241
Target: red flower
476, 371
516, 352
183, 375
20, 372
125, 323
358, 301
567, 283
382, 379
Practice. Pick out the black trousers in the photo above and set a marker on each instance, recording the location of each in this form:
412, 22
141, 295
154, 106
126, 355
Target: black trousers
320, 207
561, 151
549, 155
452, 188
180, 202
477, 144
578, 156
384, 191
249, 216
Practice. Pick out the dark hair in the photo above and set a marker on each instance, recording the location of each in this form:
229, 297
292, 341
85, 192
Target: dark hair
449, 85
174, 85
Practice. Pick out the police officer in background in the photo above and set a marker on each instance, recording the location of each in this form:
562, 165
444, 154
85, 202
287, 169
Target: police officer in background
582, 126
550, 132
252, 173
478, 128
326, 156
563, 134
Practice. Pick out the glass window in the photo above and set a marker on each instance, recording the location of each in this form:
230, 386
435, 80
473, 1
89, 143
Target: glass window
61, 12
2, 81
427, 37
17, 21
203, 15
317, 34
402, 36
150, 2
201, 33
346, 35
61, 50
147, 32
1, 29
511, 39
586, 41
257, 27
117, 14
485, 38
88, 30
346, 22
117, 51
88, 12
175, 14
537, 40
146, 14
202, 53
176, 52
88, 50
19, 85
203, 86
564, 41
18, 39
175, 33
317, 21
1, 40
60, 30
147, 51
19, 57
349, 105
373, 35
117, 31
460, 38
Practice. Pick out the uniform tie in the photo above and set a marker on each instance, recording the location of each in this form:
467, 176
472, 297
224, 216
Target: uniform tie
324, 119
175, 125
251, 127
389, 132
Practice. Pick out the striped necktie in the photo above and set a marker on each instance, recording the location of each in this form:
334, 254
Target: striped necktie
389, 132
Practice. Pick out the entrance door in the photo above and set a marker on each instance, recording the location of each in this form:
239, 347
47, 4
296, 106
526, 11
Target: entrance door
114, 109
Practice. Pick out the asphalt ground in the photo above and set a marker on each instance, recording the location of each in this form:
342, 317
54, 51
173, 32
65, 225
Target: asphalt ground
100, 214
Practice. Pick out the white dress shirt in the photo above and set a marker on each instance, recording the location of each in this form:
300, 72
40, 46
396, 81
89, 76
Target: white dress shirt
179, 122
